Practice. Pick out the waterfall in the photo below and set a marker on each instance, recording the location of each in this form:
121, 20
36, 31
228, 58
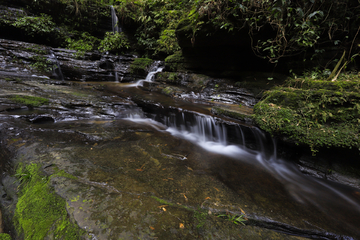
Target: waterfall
56, 66
228, 139
115, 21
116, 76
154, 69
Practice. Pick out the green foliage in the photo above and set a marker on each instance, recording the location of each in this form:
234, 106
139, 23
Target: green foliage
41, 64
236, 219
155, 22
36, 49
117, 42
33, 26
295, 25
84, 43
317, 113
167, 42
40, 212
5, 236
30, 101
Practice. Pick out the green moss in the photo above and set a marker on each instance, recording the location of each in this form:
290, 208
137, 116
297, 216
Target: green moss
167, 91
5, 236
36, 49
140, 65
172, 77
40, 212
30, 101
175, 62
232, 114
62, 173
315, 113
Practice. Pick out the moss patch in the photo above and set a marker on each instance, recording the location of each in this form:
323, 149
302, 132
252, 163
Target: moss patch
175, 62
40, 212
167, 91
233, 114
313, 112
30, 101
140, 65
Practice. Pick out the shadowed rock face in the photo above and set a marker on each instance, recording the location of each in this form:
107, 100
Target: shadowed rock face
22, 57
220, 53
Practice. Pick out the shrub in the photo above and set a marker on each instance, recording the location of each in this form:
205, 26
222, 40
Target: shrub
117, 42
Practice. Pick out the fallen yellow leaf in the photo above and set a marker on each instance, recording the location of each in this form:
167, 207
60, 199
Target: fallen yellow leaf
152, 228
242, 211
181, 225
162, 206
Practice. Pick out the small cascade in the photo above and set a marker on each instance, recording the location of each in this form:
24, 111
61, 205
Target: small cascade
251, 145
115, 21
56, 66
202, 128
210, 133
154, 69
116, 76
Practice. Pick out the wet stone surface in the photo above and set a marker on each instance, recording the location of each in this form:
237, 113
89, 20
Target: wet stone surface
125, 178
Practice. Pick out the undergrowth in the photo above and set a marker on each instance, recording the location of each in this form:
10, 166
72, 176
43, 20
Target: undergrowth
317, 113
40, 212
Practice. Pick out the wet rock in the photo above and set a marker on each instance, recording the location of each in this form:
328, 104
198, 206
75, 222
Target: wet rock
204, 88
41, 119
93, 66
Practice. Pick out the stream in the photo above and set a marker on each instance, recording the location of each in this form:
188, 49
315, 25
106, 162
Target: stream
129, 147
245, 159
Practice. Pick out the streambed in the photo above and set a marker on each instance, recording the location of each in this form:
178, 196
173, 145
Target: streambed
148, 166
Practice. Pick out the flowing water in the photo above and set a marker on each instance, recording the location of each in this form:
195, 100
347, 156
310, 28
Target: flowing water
115, 21
251, 167
155, 68
164, 134
56, 66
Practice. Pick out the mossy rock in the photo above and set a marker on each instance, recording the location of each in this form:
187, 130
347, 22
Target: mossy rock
168, 77
140, 66
232, 114
30, 101
314, 113
176, 63
167, 91
40, 213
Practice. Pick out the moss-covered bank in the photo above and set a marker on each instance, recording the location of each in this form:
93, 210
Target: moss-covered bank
40, 212
317, 113
140, 66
